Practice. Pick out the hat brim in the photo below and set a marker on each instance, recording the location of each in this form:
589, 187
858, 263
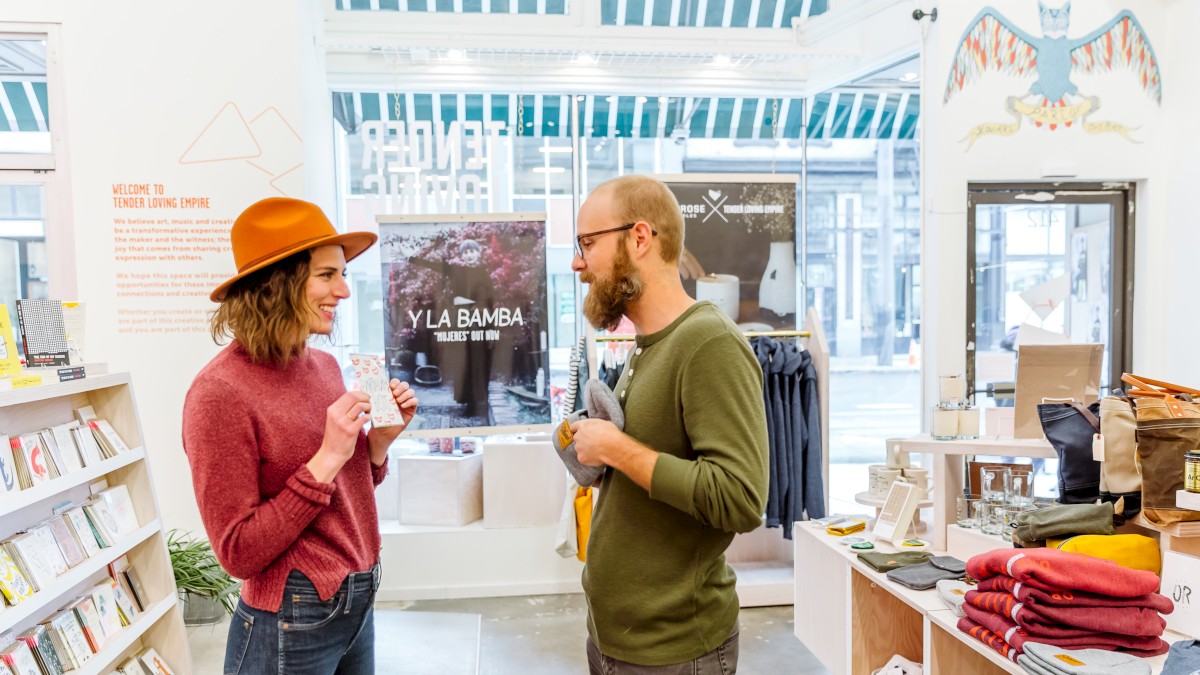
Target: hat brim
353, 243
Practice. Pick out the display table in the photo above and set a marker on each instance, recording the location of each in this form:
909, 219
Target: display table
853, 619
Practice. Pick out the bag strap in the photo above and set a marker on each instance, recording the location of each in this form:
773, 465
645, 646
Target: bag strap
1144, 386
1087, 414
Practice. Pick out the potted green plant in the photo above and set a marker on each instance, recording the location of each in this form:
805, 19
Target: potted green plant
207, 591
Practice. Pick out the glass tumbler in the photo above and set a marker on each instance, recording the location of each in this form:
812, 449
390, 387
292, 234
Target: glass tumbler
992, 483
1018, 488
991, 520
967, 511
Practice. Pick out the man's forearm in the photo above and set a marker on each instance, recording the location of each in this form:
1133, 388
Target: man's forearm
634, 460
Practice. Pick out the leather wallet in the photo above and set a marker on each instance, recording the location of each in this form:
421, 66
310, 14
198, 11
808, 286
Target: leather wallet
921, 577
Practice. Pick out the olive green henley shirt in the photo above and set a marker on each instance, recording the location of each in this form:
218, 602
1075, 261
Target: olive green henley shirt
658, 588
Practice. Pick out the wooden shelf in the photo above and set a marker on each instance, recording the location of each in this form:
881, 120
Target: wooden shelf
1005, 447
51, 390
15, 501
112, 397
102, 661
52, 598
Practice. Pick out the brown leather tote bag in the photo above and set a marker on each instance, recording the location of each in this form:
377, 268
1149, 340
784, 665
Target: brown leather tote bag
1168, 426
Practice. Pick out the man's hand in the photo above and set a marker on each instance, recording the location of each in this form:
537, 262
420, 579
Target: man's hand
601, 443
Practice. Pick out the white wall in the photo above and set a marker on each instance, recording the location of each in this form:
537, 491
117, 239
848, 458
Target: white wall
143, 80
1160, 162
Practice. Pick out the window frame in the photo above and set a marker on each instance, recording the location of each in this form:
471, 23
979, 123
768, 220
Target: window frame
1121, 196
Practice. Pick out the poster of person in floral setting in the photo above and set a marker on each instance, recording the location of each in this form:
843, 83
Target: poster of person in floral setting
465, 319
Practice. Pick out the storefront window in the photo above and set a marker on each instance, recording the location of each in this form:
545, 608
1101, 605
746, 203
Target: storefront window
24, 98
502, 152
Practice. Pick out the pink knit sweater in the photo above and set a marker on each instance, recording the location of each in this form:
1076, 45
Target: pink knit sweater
248, 430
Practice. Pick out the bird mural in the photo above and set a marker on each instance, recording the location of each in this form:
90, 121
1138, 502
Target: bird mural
992, 42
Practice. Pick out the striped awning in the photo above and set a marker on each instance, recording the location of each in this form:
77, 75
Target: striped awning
835, 114
668, 13
23, 106
458, 6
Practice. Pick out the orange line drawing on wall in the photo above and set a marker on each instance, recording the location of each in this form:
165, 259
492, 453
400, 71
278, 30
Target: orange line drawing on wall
290, 182
267, 143
226, 137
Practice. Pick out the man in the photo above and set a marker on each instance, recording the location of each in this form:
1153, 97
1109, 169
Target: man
690, 468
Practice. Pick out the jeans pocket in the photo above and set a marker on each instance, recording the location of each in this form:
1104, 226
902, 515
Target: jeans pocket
309, 611
728, 653
240, 629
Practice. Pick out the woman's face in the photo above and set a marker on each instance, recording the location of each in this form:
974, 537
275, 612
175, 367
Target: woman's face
326, 287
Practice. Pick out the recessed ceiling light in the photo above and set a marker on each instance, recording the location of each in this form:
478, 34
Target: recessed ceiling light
610, 99
721, 60
456, 54
909, 77
585, 59
664, 100
642, 99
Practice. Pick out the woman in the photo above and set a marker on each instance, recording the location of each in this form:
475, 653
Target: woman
283, 471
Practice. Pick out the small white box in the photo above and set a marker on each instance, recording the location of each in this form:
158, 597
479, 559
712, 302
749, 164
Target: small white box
440, 489
526, 484
998, 422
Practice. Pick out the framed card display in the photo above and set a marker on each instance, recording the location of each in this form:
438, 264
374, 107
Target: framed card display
43, 332
895, 517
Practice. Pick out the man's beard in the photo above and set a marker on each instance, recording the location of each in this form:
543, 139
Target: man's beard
607, 299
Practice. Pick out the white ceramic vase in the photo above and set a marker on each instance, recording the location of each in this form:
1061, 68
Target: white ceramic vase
777, 291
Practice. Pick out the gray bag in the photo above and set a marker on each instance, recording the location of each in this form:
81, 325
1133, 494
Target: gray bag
922, 577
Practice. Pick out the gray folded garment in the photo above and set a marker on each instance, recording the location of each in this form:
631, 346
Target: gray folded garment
600, 405
921, 577
954, 592
1059, 661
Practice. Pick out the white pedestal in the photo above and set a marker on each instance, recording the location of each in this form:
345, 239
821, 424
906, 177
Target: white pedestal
387, 495
513, 468
440, 489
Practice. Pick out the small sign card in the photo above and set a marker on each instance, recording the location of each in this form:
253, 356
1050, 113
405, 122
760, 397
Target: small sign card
373, 378
1181, 583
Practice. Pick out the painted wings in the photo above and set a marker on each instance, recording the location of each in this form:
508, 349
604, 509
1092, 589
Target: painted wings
990, 42
1121, 43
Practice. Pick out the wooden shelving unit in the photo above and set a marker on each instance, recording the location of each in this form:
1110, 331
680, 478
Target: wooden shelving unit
161, 625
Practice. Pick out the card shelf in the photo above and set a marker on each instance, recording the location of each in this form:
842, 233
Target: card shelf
111, 396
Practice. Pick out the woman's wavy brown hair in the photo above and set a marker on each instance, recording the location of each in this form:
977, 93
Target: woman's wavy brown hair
267, 311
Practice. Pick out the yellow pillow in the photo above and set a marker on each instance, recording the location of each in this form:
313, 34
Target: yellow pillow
1135, 551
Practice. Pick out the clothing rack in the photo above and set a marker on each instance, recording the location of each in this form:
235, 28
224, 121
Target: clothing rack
749, 334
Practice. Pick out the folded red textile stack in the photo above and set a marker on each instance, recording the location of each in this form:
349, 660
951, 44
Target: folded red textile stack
987, 637
1038, 597
1050, 619
1065, 599
1016, 636
1051, 569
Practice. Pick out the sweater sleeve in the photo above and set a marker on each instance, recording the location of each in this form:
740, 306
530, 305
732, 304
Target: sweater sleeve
247, 532
725, 485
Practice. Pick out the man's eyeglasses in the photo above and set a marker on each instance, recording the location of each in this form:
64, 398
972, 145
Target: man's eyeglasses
579, 239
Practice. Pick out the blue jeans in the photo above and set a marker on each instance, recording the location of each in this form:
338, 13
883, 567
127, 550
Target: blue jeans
307, 636
720, 661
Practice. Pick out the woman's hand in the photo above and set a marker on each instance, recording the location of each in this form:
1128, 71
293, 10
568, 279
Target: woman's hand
379, 439
344, 420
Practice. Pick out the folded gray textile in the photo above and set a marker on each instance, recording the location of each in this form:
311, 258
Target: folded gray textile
954, 592
1055, 521
1059, 661
921, 577
1031, 666
601, 405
